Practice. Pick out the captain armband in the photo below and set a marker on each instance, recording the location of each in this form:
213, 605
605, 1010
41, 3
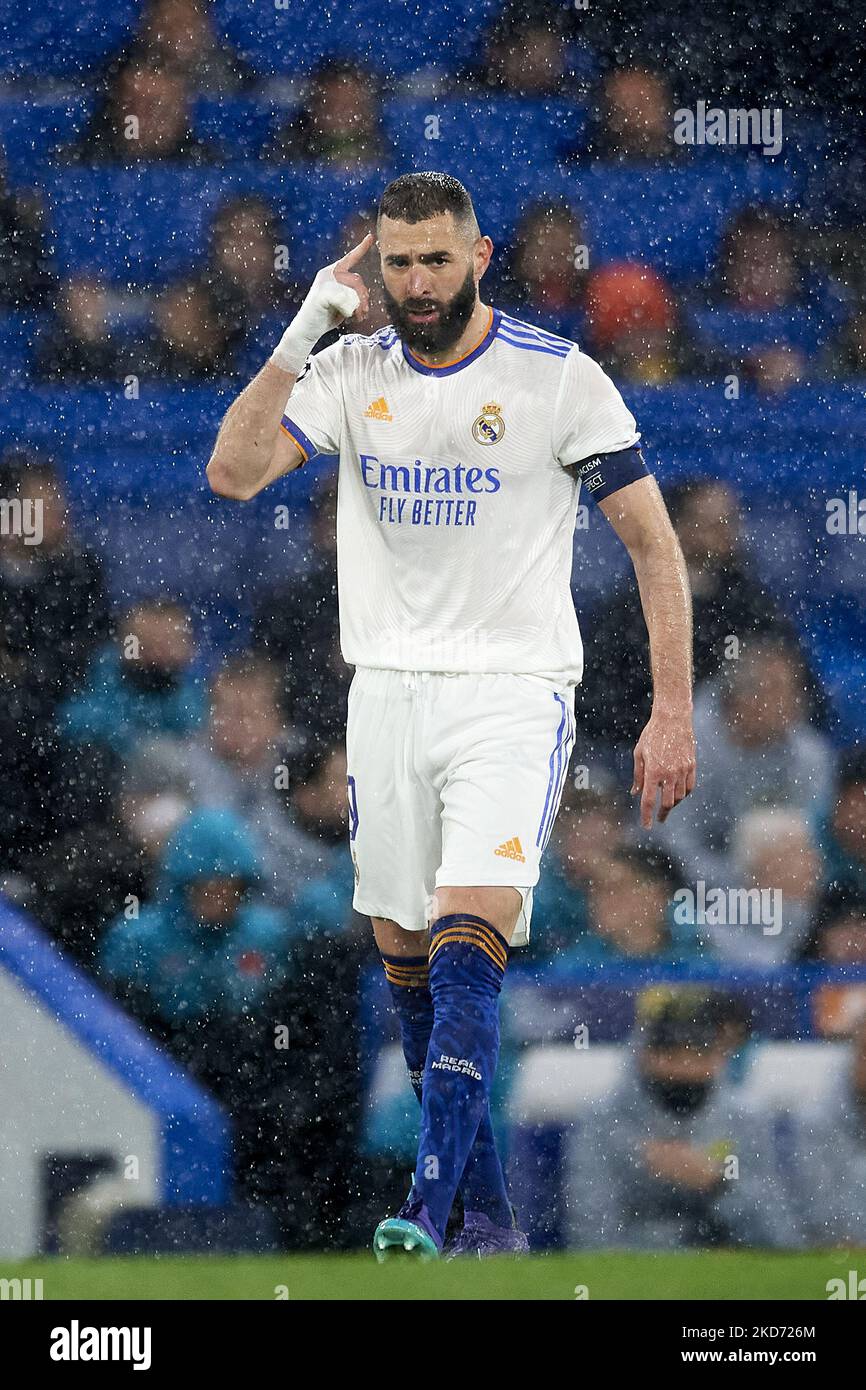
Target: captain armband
603, 474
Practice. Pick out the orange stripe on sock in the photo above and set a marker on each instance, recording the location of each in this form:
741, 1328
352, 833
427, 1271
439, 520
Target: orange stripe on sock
492, 941
477, 926
485, 933
407, 975
447, 937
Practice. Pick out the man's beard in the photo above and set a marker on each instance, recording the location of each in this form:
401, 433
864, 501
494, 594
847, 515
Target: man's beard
441, 333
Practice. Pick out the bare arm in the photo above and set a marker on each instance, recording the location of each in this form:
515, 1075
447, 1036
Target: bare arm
664, 757
251, 449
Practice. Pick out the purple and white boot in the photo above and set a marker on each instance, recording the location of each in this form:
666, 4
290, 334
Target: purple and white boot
480, 1239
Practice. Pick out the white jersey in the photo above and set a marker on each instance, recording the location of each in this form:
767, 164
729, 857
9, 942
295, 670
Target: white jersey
455, 512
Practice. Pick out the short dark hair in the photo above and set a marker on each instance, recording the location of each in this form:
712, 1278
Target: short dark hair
415, 197
310, 761
679, 495
337, 68
248, 667
21, 462
842, 898
651, 866
158, 603
852, 769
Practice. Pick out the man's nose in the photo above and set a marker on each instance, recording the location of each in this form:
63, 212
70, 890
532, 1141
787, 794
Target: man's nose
419, 282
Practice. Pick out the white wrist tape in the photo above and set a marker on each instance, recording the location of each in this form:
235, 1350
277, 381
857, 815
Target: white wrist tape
292, 350
328, 302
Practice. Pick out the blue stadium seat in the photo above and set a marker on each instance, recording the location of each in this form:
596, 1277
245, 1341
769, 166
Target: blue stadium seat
408, 35
18, 333
63, 38
844, 676
143, 225
286, 39
499, 130
31, 131
398, 38
240, 125
826, 160
740, 331
672, 219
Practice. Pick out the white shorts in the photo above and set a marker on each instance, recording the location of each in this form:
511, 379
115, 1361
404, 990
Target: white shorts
453, 780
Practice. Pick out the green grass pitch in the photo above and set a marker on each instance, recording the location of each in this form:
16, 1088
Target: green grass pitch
693, 1275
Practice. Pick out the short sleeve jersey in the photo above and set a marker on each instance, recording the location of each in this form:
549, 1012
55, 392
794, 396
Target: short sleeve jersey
458, 493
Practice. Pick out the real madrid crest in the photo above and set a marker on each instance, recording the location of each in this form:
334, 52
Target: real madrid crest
490, 426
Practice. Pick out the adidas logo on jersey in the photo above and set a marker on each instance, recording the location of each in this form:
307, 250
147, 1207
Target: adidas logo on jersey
512, 849
378, 410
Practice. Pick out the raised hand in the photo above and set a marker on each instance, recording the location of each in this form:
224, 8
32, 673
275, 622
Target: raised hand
336, 294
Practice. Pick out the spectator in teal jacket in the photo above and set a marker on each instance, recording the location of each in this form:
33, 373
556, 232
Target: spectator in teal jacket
141, 684
844, 832
588, 831
630, 915
203, 949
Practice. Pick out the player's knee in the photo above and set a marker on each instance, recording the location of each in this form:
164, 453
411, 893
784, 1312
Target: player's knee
501, 906
394, 940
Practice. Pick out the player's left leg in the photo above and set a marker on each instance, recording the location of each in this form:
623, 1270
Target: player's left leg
469, 940
482, 1188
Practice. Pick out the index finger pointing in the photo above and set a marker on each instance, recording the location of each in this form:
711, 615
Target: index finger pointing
356, 254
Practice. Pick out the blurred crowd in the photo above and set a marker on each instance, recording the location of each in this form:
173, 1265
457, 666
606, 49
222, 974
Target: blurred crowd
785, 300
181, 832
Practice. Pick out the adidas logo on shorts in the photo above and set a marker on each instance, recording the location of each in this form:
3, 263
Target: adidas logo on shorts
512, 849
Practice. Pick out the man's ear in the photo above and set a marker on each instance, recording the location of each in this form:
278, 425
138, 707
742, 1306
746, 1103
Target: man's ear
483, 247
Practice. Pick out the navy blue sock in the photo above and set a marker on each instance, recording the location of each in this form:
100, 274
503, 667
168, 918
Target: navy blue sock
482, 1186
467, 963
483, 1183
407, 977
